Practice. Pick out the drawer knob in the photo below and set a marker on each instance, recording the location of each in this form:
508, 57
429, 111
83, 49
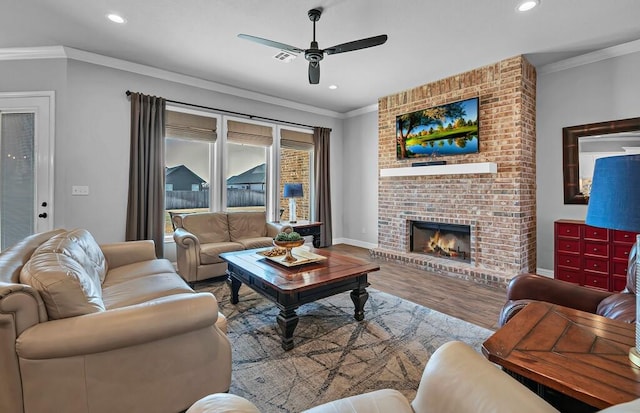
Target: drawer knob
626, 235
568, 261
626, 253
595, 250
568, 246
595, 265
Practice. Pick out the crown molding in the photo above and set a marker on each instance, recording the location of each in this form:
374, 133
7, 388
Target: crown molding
592, 57
27, 53
361, 111
57, 52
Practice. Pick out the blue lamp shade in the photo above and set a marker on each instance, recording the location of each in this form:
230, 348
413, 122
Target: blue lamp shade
614, 202
293, 191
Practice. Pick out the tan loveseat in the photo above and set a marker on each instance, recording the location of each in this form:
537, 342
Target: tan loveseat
110, 328
456, 379
201, 237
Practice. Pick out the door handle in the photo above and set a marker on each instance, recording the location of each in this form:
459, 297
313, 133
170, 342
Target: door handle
43, 215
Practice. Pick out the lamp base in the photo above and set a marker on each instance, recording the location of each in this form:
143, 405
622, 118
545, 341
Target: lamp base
634, 356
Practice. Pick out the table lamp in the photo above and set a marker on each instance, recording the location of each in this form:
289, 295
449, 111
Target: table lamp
292, 191
614, 203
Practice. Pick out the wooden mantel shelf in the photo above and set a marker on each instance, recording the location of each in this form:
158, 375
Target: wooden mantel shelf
455, 169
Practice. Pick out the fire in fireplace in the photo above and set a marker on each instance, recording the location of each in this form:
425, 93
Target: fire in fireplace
442, 240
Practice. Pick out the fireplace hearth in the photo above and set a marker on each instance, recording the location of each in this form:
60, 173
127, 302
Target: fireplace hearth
451, 241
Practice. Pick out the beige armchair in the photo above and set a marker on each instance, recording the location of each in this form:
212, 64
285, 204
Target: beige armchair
201, 237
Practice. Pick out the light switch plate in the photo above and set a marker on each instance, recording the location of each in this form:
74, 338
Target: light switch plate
81, 190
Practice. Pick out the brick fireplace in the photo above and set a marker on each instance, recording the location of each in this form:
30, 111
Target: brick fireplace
499, 208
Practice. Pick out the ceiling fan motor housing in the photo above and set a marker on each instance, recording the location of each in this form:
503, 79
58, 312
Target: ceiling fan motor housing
313, 54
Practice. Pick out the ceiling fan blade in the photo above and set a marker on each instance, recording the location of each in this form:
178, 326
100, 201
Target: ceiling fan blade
314, 73
271, 43
357, 44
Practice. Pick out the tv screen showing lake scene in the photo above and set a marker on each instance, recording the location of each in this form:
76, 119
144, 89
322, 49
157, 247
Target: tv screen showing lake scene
450, 129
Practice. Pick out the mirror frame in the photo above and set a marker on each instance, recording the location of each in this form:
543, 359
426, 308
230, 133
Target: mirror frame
571, 156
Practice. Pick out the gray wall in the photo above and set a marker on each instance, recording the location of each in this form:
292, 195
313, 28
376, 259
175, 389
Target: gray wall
595, 92
92, 135
360, 195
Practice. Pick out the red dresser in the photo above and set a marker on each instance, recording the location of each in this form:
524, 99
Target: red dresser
591, 256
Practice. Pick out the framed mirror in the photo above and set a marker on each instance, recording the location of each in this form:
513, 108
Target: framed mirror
583, 144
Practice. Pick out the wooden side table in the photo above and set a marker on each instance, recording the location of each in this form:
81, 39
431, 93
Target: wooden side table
305, 228
577, 354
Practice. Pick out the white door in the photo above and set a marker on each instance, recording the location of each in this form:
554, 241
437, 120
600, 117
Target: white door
26, 165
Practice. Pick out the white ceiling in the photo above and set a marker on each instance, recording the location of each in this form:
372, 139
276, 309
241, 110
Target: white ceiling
428, 39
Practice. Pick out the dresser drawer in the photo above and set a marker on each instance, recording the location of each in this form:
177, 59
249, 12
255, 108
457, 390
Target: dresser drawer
596, 281
568, 230
624, 236
601, 234
622, 251
596, 248
596, 265
620, 268
568, 245
618, 283
566, 274
566, 260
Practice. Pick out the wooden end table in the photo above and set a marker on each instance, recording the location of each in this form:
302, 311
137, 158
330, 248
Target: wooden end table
291, 287
305, 228
577, 354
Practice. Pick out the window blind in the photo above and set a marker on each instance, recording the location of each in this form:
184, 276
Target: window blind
187, 125
249, 133
296, 140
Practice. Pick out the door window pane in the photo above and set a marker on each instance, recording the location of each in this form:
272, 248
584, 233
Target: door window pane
16, 177
295, 167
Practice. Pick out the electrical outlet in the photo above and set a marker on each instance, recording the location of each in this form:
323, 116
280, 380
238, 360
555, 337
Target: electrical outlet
81, 190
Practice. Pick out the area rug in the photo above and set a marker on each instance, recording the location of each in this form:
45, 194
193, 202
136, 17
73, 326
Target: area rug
334, 355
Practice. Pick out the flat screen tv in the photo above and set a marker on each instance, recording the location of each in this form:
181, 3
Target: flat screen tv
450, 129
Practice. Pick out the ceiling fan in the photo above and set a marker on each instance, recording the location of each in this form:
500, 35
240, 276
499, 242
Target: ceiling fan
314, 54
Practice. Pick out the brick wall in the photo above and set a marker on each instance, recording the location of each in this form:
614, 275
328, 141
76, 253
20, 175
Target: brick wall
500, 208
294, 168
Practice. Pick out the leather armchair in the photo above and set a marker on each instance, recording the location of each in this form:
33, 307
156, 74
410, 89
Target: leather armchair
525, 288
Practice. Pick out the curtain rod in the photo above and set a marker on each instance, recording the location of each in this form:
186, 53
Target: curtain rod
128, 93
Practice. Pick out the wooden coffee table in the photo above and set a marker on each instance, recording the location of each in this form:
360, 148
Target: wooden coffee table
291, 287
577, 354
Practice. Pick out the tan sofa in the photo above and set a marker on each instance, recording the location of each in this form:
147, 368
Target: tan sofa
110, 328
201, 237
457, 379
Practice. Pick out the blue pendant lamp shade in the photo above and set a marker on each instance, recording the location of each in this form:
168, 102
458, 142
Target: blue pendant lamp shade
292, 191
615, 204
614, 201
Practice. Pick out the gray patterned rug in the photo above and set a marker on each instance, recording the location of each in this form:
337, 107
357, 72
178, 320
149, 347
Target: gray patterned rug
334, 355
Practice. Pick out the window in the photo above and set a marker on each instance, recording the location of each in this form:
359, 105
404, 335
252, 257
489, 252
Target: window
247, 162
296, 166
189, 146
216, 162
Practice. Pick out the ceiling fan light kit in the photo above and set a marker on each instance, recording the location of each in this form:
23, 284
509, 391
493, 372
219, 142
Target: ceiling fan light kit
314, 54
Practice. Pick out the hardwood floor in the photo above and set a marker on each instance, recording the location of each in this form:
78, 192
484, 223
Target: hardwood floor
467, 300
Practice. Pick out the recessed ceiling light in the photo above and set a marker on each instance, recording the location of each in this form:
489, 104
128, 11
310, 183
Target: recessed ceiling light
333, 87
527, 5
116, 18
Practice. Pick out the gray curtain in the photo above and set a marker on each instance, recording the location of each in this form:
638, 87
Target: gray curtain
322, 184
145, 209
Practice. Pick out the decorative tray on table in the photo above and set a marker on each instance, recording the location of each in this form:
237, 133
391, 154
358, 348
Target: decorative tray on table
301, 254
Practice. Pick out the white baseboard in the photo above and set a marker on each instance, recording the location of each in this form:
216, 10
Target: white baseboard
545, 272
355, 243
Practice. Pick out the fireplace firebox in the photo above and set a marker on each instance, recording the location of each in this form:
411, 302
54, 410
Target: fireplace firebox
450, 241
